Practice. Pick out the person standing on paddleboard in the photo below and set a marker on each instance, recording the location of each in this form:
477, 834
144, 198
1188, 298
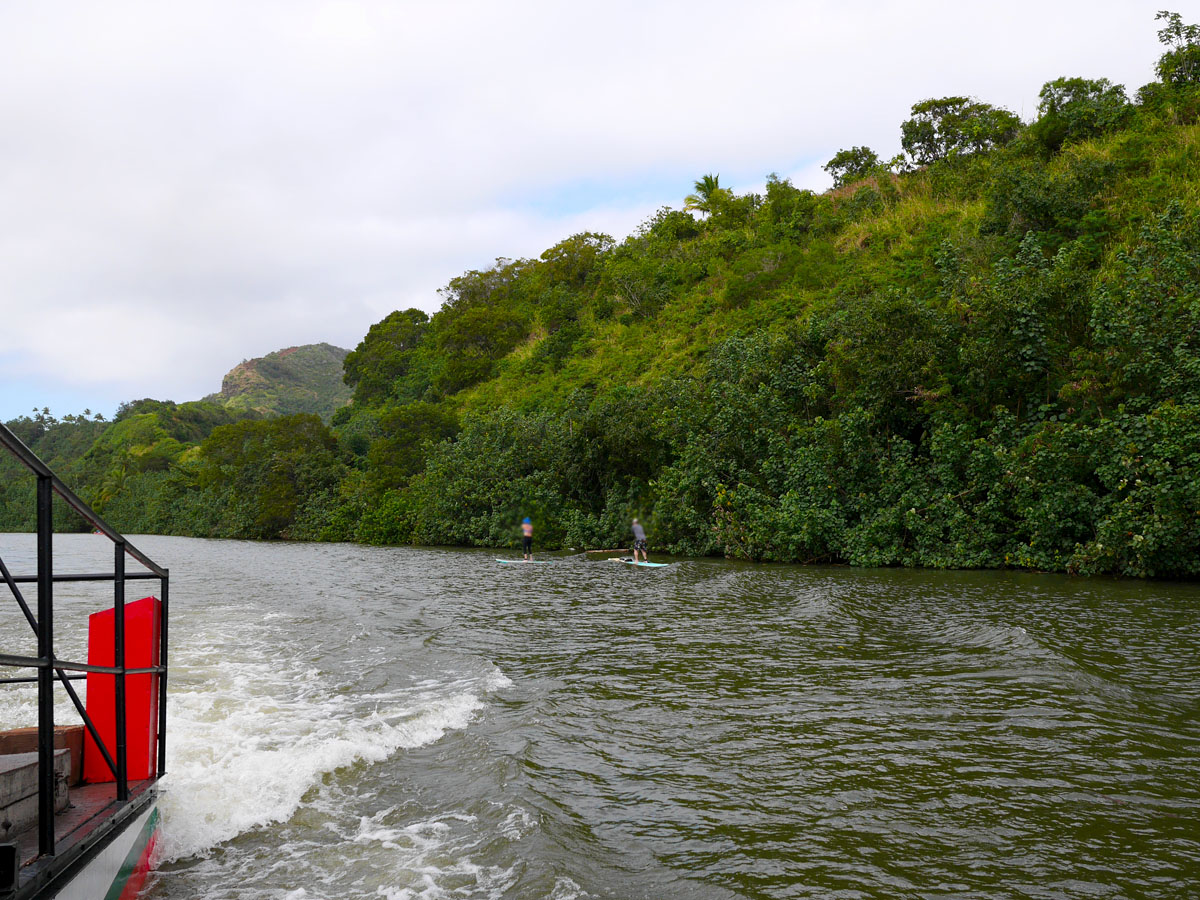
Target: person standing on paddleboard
639, 541
527, 537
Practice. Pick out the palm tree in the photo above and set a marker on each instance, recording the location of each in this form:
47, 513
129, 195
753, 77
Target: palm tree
709, 196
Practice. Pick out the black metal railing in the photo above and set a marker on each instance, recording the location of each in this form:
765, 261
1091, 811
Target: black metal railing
49, 666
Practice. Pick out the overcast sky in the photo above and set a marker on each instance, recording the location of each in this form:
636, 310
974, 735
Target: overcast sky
187, 185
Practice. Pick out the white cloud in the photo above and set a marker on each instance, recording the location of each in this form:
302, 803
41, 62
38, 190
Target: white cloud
186, 185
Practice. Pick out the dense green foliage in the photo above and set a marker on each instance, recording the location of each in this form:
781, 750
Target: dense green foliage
984, 355
116, 467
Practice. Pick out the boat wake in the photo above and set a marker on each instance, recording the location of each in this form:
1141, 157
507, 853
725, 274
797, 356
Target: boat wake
249, 743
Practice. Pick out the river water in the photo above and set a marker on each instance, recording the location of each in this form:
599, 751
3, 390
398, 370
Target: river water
353, 722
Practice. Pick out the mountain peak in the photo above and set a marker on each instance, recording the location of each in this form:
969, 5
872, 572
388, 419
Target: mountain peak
303, 379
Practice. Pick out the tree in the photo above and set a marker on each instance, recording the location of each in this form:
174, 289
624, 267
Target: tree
951, 126
488, 287
384, 355
1074, 109
709, 196
470, 342
573, 261
852, 165
1180, 65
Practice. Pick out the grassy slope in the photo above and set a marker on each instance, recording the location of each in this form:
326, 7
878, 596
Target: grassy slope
888, 249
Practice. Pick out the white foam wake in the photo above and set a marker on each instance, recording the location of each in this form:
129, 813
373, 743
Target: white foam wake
421, 862
249, 741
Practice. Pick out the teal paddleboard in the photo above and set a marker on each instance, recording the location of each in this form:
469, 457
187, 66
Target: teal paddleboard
630, 562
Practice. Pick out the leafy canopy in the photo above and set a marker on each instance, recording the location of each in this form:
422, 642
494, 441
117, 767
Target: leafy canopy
1076, 109
852, 165
952, 126
1180, 64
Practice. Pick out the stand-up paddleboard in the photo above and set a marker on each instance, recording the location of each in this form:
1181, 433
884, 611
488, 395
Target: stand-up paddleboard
533, 562
634, 562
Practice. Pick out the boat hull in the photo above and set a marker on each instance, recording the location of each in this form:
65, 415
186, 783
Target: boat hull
115, 871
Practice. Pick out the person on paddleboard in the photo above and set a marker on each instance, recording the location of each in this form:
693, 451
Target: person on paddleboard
527, 537
639, 541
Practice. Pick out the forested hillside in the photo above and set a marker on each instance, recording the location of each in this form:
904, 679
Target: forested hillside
984, 352
115, 466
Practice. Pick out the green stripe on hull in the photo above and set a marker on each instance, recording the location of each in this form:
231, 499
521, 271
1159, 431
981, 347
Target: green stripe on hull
129, 867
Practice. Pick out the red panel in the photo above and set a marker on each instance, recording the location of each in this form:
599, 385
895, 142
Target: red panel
141, 692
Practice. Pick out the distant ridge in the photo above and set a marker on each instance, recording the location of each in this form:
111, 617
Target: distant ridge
305, 379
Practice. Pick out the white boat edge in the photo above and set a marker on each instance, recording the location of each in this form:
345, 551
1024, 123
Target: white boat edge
118, 871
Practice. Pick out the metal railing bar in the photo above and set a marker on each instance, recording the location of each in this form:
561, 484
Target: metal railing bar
31, 662
131, 576
12, 586
45, 617
33, 679
119, 659
162, 679
86, 667
87, 722
65, 664
23, 453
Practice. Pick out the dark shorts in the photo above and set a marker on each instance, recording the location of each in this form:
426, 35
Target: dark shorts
527, 543
640, 545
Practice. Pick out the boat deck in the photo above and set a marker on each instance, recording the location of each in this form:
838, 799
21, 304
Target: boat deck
91, 806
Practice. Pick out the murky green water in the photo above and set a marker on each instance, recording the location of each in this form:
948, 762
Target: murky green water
357, 722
